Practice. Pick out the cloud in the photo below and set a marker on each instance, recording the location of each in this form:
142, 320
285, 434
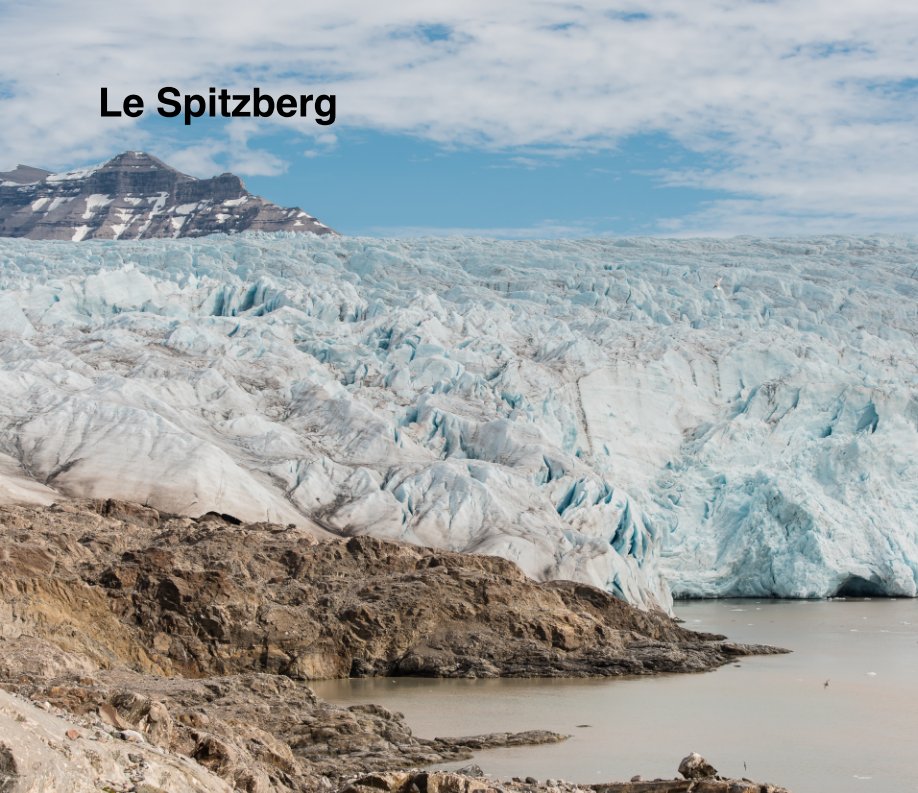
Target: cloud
228, 152
214, 155
802, 110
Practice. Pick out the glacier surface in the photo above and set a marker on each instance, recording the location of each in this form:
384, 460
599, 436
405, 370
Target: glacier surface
711, 417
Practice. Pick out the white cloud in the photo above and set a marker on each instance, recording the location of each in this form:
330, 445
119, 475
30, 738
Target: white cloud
229, 152
214, 155
807, 108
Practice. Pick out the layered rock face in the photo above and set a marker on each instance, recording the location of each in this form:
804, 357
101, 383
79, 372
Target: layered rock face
136, 196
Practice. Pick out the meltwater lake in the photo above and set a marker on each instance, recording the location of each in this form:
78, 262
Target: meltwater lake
770, 718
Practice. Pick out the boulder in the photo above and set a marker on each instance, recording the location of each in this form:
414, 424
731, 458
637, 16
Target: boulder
694, 766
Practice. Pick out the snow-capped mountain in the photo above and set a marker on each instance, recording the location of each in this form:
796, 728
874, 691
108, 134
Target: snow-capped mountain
136, 196
725, 417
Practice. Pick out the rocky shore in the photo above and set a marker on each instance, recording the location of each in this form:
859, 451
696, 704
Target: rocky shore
146, 652
444, 782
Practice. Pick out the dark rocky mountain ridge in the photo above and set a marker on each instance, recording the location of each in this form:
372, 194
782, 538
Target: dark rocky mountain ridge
136, 196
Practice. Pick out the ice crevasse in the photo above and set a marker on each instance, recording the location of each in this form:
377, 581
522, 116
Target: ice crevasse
701, 417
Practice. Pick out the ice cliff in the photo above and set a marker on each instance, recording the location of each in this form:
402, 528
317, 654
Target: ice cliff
734, 417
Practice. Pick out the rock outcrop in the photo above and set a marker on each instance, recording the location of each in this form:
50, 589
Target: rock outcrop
446, 782
694, 766
210, 736
258, 733
125, 586
136, 196
149, 652
44, 750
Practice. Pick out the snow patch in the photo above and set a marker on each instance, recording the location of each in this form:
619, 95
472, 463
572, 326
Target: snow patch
94, 202
56, 202
70, 176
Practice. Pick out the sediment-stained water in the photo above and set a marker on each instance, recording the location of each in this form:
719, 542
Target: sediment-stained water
769, 718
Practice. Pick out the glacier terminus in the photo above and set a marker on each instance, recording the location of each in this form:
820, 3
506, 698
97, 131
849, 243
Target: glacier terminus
658, 418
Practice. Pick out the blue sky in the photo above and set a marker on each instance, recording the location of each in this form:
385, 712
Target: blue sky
526, 118
375, 183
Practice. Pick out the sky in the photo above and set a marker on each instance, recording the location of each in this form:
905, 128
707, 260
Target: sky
511, 119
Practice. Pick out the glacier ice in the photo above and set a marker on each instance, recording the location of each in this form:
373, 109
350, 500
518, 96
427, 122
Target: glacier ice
718, 417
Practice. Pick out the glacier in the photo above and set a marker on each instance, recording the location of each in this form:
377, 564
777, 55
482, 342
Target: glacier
695, 418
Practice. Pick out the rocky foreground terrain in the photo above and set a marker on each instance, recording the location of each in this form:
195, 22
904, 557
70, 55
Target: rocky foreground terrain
136, 196
147, 652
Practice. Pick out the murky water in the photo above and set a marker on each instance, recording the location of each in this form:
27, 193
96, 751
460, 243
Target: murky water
771, 718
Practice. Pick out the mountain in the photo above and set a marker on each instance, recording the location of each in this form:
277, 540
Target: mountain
718, 417
136, 196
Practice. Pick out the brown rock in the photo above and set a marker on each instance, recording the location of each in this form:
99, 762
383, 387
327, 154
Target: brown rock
391, 781
204, 597
149, 717
9, 769
442, 782
110, 716
694, 766
195, 636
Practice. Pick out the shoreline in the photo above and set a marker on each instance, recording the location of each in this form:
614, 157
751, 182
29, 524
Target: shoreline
125, 750
199, 637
